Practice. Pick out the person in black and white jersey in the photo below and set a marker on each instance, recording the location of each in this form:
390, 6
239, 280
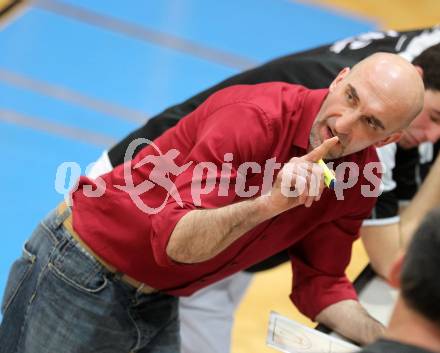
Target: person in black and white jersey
207, 316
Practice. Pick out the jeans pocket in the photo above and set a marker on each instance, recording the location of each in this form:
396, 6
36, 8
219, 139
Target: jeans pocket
18, 274
74, 267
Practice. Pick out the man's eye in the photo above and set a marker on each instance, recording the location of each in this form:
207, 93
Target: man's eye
349, 96
435, 119
371, 123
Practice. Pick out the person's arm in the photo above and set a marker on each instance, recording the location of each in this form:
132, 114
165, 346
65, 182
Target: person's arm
350, 319
427, 198
189, 242
383, 242
321, 290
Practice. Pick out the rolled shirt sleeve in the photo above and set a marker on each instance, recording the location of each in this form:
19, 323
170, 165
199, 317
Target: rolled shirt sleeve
319, 261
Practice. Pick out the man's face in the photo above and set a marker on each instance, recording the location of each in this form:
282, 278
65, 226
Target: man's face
359, 111
426, 127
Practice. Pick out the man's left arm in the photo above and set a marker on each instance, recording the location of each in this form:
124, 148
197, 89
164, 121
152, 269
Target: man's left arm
426, 199
350, 319
321, 289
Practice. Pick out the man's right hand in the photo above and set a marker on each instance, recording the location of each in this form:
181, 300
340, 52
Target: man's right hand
300, 181
188, 242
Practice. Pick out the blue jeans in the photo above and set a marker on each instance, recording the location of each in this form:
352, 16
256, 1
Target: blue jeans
59, 299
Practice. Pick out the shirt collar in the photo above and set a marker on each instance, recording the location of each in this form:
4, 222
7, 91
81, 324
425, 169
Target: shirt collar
311, 104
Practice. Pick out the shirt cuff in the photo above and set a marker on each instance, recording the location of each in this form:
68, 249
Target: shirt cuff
163, 224
317, 294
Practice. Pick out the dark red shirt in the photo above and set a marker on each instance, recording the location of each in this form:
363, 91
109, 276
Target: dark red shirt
254, 123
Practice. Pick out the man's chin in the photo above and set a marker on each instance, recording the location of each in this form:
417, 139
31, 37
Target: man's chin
334, 155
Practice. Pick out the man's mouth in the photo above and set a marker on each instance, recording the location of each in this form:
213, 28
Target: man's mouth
329, 133
326, 133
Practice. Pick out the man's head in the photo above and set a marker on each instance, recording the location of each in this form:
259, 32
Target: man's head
426, 127
417, 273
369, 105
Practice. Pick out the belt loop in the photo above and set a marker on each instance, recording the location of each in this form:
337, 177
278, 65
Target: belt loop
118, 276
139, 290
68, 200
65, 213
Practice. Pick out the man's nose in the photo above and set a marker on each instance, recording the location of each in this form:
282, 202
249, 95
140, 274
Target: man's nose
345, 124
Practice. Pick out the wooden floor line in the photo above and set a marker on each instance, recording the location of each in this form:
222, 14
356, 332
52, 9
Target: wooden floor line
71, 96
57, 129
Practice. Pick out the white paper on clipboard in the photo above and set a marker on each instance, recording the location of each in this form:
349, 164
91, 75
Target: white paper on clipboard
289, 336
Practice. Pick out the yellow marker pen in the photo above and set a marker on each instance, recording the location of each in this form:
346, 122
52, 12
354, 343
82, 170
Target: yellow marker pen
329, 178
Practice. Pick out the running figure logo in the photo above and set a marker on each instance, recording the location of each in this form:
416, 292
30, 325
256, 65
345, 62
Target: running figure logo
163, 167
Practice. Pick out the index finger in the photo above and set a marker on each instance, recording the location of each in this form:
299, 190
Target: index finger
322, 150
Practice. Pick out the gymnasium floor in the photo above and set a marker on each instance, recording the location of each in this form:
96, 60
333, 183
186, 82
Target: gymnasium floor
77, 75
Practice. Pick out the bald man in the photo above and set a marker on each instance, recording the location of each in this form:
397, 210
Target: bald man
212, 309
104, 272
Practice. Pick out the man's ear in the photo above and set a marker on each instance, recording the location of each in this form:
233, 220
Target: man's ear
395, 272
419, 69
394, 137
341, 75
